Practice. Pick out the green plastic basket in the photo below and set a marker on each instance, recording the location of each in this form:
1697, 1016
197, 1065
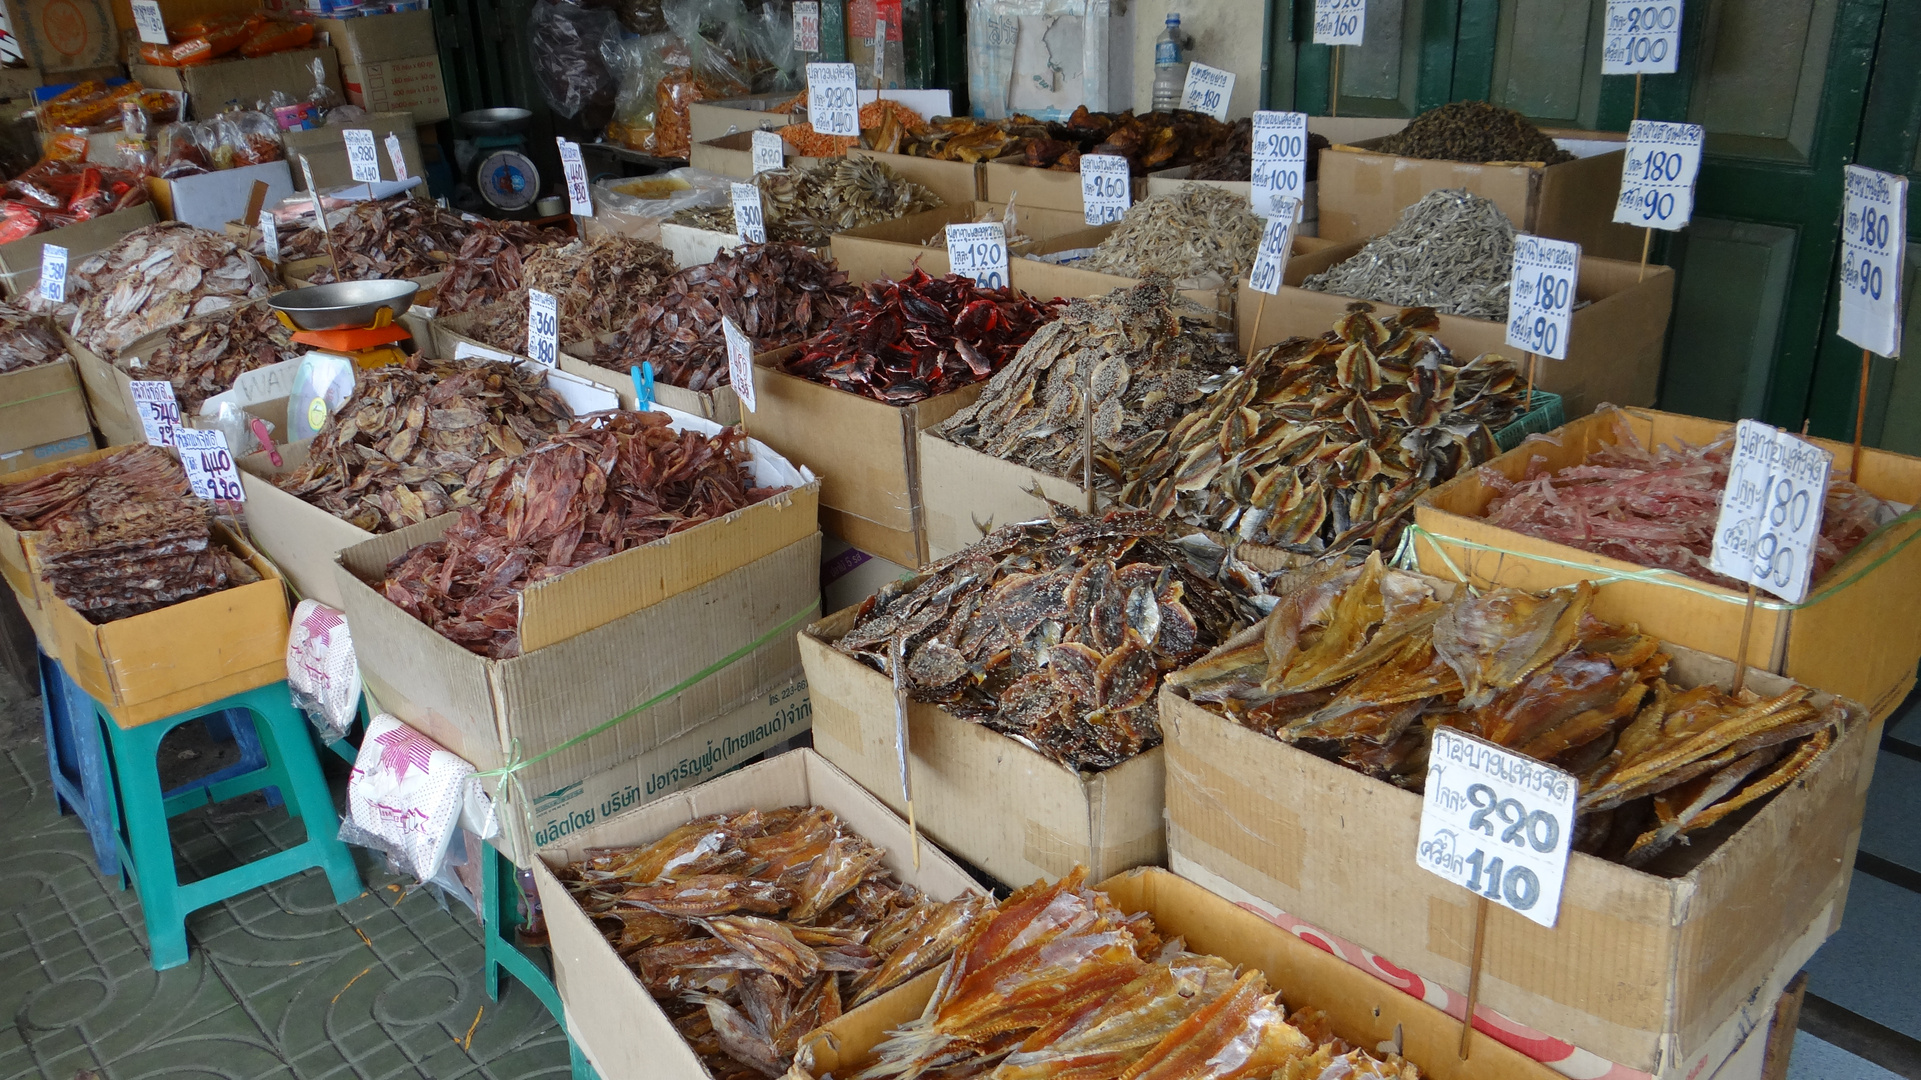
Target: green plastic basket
1544, 417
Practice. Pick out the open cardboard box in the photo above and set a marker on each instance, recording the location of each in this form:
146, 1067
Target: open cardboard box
32, 457
860, 252
1052, 189
1640, 969
20, 259
981, 795
40, 405
733, 155
1614, 345
16, 547
1861, 642
956, 182
610, 1015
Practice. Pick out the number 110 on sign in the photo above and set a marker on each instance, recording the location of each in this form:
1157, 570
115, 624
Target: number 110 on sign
1497, 823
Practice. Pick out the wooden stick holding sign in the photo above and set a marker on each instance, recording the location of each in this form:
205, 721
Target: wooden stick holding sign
1874, 233
1474, 972
897, 660
1339, 23
320, 215
1657, 179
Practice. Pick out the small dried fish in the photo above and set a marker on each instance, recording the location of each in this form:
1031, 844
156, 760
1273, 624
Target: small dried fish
1452, 251
27, 340
1200, 236
203, 357
809, 204
1474, 131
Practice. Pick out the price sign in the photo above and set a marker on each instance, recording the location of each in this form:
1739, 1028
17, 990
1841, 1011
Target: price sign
749, 225
1270, 259
159, 411
319, 213
53, 273
543, 327
1497, 823
769, 152
880, 51
209, 465
1642, 37
806, 25
1207, 90
1540, 295
1340, 22
579, 201
1107, 188
740, 362
270, 235
1874, 229
397, 156
831, 104
1657, 176
146, 18
1280, 161
978, 250
362, 159
1771, 510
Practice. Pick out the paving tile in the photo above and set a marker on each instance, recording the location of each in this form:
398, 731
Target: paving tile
1868, 967
1816, 1059
1892, 825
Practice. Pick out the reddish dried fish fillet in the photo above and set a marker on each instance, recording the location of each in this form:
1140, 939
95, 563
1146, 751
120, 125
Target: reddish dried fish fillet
27, 340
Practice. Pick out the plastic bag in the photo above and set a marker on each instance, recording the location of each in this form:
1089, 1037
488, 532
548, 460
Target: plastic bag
640, 63
566, 40
682, 188
178, 152
342, 115
407, 797
322, 672
223, 135
259, 139
320, 386
132, 150
323, 98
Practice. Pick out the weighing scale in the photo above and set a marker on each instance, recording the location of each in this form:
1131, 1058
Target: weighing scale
505, 178
352, 319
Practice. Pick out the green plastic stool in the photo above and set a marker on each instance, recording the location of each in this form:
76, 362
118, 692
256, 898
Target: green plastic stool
501, 915
141, 812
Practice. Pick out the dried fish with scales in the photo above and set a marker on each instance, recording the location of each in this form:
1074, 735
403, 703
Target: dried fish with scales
751, 930
1452, 251
27, 340
809, 204
203, 357
151, 279
1202, 237
1149, 141
402, 238
598, 288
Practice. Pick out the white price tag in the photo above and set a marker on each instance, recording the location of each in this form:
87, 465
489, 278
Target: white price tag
1107, 188
831, 104
749, 225
1874, 230
579, 201
146, 18
319, 212
1540, 295
53, 273
769, 151
209, 465
159, 410
1657, 176
1270, 259
978, 250
740, 362
543, 327
1771, 510
1280, 161
880, 51
396, 155
362, 159
1340, 22
1497, 823
1642, 37
1207, 91
807, 26
270, 235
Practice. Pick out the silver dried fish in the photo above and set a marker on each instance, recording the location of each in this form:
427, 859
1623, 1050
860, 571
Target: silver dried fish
1452, 251
1202, 237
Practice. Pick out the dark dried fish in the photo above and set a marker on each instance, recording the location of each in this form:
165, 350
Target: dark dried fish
203, 357
598, 286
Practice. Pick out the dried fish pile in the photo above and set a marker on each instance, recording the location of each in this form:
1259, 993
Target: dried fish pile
1236, 162
603, 485
405, 238
1159, 140
1659, 507
1018, 242
1201, 235
1055, 632
122, 535
809, 204
599, 287
27, 340
1146, 362
424, 437
908, 340
751, 930
1361, 665
488, 266
1058, 982
1474, 131
204, 357
153, 278
1323, 443
1452, 251
776, 294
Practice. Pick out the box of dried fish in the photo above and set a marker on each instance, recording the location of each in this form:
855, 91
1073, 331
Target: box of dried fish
41, 399
1752, 801
1198, 971
399, 238
16, 546
151, 279
659, 982
1855, 635
733, 155
872, 251
20, 259
808, 204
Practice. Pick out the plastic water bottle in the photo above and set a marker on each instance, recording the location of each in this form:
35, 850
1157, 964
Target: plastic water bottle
1170, 68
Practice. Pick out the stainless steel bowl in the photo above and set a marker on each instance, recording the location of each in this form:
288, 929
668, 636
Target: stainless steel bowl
343, 305
494, 121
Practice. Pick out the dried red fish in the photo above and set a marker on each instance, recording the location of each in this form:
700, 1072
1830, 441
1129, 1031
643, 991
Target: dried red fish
905, 341
599, 287
27, 340
203, 357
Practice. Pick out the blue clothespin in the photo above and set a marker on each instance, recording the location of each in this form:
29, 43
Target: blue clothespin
643, 375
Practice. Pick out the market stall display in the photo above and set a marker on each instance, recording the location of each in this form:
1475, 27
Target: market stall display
56, 193
27, 340
1202, 237
153, 278
1236, 161
808, 204
402, 238
203, 357
1159, 140
1474, 131
1452, 251
887, 126
598, 288
491, 265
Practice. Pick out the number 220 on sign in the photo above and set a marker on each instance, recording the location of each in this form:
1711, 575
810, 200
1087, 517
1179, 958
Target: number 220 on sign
1497, 823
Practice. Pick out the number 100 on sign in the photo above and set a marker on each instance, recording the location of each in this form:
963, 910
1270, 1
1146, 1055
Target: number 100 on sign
1497, 823
1642, 37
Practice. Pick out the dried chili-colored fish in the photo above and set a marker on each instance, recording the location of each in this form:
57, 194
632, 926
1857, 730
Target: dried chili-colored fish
203, 357
27, 340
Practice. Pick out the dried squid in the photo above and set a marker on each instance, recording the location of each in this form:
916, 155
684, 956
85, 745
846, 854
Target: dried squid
27, 340
598, 288
489, 265
152, 279
203, 357
399, 238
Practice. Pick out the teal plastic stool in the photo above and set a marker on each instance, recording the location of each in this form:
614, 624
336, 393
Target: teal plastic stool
141, 811
501, 913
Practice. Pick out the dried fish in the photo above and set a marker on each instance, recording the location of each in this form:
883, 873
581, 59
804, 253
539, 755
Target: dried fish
1199, 236
203, 357
489, 264
1474, 131
809, 204
27, 340
1236, 162
1158, 140
1452, 251
399, 238
598, 286
154, 277
884, 125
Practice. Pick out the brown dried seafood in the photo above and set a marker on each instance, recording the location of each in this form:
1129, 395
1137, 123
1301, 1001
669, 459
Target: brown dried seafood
1322, 443
153, 278
1201, 235
1150, 141
203, 357
751, 930
599, 287
809, 204
1361, 665
776, 294
606, 483
422, 438
1474, 131
489, 265
1056, 631
401, 238
1146, 362
27, 340
1451, 251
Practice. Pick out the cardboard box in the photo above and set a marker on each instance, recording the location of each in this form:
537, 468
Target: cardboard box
19, 82
32, 457
20, 259
712, 119
969, 494
1173, 180
65, 35
956, 182
1364, 191
721, 404
1639, 969
1360, 1009
849, 575
211, 200
409, 84
369, 39
891, 249
612, 1019
42, 405
1614, 348
174, 12
733, 155
326, 152
16, 547
211, 86
1024, 185
1861, 642
109, 394
983, 796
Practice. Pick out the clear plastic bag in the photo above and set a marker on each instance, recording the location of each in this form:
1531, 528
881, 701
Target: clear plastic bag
323, 98
407, 797
640, 63
567, 40
322, 672
701, 188
179, 152
259, 139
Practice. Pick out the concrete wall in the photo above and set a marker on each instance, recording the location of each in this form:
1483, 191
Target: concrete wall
1227, 34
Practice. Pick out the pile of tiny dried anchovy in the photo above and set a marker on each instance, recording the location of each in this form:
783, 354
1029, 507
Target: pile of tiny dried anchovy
203, 357
1452, 251
27, 340
809, 204
151, 279
1476, 132
598, 286
489, 265
404, 238
1201, 235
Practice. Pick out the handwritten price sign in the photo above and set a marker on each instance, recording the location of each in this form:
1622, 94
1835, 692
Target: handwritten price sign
1497, 823
1207, 90
1874, 230
749, 224
1270, 259
579, 200
209, 465
1540, 298
807, 25
1340, 22
1641, 38
1280, 160
831, 104
397, 155
978, 250
148, 21
159, 410
768, 151
1771, 510
740, 362
1657, 175
543, 327
53, 273
362, 159
1107, 188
